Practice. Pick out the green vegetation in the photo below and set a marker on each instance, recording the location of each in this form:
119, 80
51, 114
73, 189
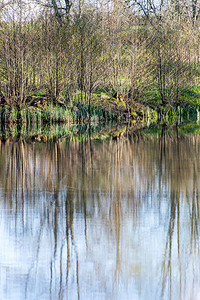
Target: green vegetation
126, 61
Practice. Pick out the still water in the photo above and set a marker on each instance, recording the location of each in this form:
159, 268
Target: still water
100, 220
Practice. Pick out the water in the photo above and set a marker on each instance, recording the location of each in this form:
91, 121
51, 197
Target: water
100, 220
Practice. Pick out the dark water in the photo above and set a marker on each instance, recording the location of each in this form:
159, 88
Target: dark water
100, 220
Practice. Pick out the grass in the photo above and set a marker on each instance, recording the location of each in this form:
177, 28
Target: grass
102, 107
76, 112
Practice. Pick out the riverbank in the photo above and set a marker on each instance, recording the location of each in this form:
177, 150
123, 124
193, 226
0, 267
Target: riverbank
40, 109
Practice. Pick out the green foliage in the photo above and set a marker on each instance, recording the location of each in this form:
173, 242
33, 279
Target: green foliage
190, 95
88, 71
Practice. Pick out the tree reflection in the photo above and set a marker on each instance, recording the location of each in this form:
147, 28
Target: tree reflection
74, 200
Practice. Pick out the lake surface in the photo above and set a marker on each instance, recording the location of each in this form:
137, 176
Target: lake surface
117, 219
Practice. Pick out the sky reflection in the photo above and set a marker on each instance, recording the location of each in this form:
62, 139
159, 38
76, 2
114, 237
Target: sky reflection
109, 220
